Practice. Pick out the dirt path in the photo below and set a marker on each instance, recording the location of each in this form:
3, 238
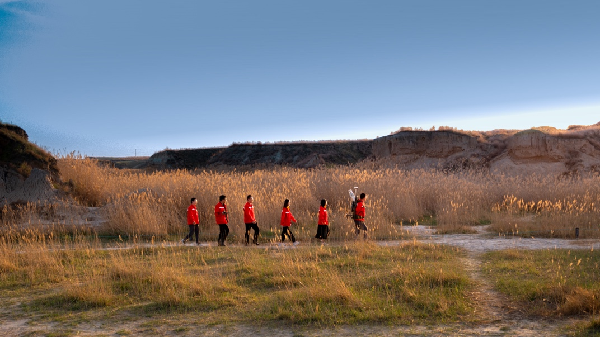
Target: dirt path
191, 327
483, 241
491, 305
494, 310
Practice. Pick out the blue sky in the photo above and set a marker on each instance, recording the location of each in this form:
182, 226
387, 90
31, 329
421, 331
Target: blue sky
115, 78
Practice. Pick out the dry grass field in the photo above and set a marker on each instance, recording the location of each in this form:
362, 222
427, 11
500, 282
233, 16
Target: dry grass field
328, 285
57, 272
144, 203
548, 282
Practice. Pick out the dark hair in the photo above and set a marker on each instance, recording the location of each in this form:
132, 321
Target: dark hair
221, 198
286, 203
193, 199
323, 202
362, 195
249, 196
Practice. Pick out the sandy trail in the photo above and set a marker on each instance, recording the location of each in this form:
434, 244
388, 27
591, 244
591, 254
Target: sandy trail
483, 241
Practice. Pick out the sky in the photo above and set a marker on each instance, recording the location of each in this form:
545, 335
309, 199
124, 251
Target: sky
133, 77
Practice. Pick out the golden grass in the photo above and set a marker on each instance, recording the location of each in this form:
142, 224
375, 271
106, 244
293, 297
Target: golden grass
136, 202
557, 217
154, 203
549, 282
332, 285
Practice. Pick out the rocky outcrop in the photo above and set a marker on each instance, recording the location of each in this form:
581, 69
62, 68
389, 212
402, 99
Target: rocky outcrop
439, 149
37, 187
536, 151
523, 152
26, 171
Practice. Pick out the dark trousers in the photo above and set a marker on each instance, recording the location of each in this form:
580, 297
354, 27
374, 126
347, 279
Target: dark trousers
287, 231
194, 229
360, 225
223, 232
250, 226
322, 232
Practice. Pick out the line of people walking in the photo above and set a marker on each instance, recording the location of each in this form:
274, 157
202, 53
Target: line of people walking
222, 220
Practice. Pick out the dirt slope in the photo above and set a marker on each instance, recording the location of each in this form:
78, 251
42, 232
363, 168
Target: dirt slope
26, 171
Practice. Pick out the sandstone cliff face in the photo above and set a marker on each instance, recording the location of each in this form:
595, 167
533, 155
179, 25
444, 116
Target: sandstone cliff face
35, 188
502, 151
535, 151
26, 171
438, 149
522, 153
436, 144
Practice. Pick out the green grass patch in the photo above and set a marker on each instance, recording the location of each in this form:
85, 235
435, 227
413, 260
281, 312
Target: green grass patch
548, 282
354, 283
588, 329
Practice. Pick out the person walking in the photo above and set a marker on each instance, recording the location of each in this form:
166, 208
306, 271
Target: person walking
359, 216
323, 222
286, 222
193, 221
222, 219
250, 220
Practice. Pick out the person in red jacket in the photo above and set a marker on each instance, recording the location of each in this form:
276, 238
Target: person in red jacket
359, 215
323, 223
250, 220
222, 219
193, 222
286, 222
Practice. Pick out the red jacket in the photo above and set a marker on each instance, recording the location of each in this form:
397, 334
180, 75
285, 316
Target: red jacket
219, 216
287, 217
249, 213
360, 211
192, 215
323, 216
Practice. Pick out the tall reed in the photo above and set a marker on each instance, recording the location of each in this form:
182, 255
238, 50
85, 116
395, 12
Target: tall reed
154, 203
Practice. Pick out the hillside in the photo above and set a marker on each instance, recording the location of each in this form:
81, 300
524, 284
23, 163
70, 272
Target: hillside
541, 149
303, 155
17, 153
26, 171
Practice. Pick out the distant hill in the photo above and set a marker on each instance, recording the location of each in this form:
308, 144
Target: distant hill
305, 155
541, 149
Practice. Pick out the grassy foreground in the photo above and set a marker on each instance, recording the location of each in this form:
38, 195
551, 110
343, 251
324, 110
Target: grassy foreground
549, 282
357, 282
